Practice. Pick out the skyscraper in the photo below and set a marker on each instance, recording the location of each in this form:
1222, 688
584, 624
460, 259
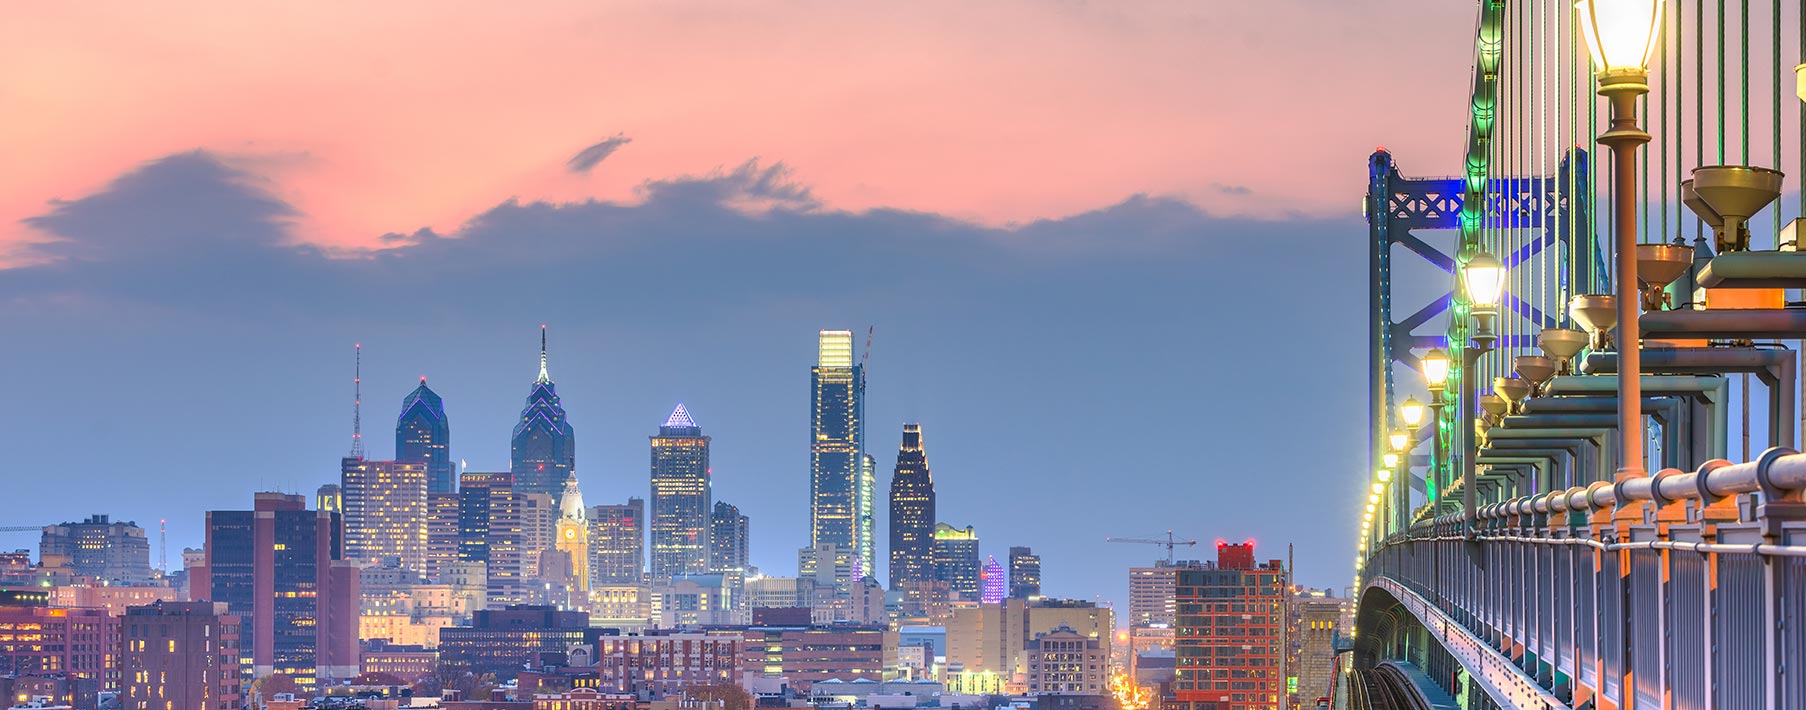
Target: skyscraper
956, 559
111, 552
490, 531
1025, 573
839, 492
911, 513
279, 568
423, 435
996, 586
385, 512
441, 532
680, 497
545, 444
573, 534
728, 538
617, 544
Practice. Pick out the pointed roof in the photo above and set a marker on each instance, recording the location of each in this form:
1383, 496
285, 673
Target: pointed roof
570, 504
423, 397
544, 378
680, 418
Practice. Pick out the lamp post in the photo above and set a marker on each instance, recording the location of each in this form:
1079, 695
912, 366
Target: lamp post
1411, 413
1435, 368
1620, 35
1484, 278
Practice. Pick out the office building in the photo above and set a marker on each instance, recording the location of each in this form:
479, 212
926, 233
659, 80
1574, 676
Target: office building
538, 523
442, 514
423, 436
1230, 632
36, 639
1025, 573
911, 513
695, 600
617, 543
280, 569
728, 539
810, 654
994, 638
385, 512
109, 552
501, 642
655, 665
1151, 592
956, 560
544, 449
1066, 661
180, 655
490, 532
995, 585
573, 536
681, 497
115, 600
779, 593
838, 489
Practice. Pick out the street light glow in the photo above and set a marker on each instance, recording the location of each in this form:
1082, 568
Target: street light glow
1436, 368
1384, 474
1620, 34
1399, 439
1379, 487
1484, 278
1412, 412
1390, 459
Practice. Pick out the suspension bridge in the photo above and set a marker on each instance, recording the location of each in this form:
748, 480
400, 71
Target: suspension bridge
1584, 489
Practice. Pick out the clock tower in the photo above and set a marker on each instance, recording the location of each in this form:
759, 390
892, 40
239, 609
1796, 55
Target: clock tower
573, 534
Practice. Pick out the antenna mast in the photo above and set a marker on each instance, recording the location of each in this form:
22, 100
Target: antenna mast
163, 545
357, 405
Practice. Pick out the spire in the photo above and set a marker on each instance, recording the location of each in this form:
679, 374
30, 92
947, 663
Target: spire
680, 418
543, 377
570, 504
357, 403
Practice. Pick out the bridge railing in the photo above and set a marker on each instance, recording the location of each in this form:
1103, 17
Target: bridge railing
1689, 586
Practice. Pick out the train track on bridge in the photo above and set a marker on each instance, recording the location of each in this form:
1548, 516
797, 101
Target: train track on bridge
1383, 688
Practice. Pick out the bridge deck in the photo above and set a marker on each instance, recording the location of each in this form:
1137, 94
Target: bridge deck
1437, 698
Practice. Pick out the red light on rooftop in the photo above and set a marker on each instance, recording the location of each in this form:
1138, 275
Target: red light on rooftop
1220, 542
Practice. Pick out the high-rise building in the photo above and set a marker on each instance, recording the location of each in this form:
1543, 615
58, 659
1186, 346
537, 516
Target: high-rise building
441, 533
956, 559
490, 531
728, 538
1230, 633
617, 543
573, 534
680, 497
180, 655
911, 513
1025, 573
538, 520
544, 451
1151, 592
423, 436
385, 512
838, 487
995, 585
110, 552
280, 568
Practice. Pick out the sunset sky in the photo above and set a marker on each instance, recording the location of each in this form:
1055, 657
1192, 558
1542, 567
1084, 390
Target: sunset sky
1065, 219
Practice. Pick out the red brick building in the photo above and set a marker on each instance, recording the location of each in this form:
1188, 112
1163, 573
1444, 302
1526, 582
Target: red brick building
180, 655
1230, 636
38, 639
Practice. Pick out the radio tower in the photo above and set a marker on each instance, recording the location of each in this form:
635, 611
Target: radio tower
357, 404
163, 545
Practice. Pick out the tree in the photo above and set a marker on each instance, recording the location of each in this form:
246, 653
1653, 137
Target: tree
276, 683
729, 695
377, 678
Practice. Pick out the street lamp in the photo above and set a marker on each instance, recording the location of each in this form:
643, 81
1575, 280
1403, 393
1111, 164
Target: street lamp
1621, 36
1484, 278
1411, 412
1435, 369
1399, 439
1389, 459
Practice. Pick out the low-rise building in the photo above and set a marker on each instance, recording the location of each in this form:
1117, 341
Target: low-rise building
810, 654
1066, 661
654, 665
180, 654
40, 639
411, 663
501, 642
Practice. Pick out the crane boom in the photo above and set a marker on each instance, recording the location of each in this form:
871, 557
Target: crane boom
1169, 543
22, 528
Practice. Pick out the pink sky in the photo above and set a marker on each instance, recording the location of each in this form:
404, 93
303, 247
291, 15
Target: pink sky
396, 116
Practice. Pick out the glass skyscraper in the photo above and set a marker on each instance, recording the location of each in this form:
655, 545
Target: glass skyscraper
545, 444
423, 435
911, 513
681, 499
841, 488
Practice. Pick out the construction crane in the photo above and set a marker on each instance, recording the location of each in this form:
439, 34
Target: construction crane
867, 357
1169, 543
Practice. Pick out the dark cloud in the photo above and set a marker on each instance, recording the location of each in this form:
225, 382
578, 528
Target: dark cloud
1145, 353
590, 157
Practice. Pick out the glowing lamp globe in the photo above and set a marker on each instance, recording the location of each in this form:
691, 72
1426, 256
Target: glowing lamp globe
1484, 278
1373, 498
1399, 440
1390, 459
1384, 474
1379, 488
1436, 369
1411, 412
1620, 34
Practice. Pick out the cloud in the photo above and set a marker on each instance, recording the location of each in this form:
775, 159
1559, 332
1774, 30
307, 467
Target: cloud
1236, 190
588, 158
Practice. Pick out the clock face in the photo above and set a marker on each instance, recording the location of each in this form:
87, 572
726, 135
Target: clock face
569, 533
